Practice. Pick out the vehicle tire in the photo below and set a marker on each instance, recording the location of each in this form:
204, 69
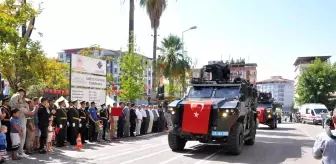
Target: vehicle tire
251, 140
176, 143
236, 139
272, 124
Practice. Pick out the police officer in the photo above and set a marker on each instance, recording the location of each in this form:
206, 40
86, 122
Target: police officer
83, 122
73, 118
61, 124
104, 117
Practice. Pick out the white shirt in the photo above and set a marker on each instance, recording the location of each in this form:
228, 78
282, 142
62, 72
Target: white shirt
156, 111
143, 112
138, 114
151, 115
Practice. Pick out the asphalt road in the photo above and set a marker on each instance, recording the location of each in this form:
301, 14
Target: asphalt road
289, 144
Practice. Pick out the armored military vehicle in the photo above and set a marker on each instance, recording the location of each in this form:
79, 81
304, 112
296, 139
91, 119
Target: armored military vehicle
266, 110
216, 110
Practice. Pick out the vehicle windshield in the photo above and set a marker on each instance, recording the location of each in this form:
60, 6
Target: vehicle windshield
265, 105
319, 111
200, 92
228, 93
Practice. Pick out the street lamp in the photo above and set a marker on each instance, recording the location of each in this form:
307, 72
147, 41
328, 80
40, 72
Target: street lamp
191, 28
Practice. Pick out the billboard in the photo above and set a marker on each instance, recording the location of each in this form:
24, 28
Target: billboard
89, 65
88, 79
89, 95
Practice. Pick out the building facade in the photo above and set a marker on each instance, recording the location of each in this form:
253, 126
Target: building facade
246, 71
301, 64
282, 91
113, 67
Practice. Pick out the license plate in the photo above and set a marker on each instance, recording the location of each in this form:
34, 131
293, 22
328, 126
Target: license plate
219, 133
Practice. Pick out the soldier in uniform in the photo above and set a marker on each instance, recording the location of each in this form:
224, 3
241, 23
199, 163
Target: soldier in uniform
61, 124
73, 118
83, 122
104, 117
6, 110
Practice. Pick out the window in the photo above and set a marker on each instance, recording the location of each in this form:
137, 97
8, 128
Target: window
307, 111
115, 70
312, 112
318, 111
149, 82
200, 92
228, 93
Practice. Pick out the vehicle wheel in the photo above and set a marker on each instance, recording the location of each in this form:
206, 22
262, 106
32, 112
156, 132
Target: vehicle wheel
251, 140
272, 124
236, 139
176, 143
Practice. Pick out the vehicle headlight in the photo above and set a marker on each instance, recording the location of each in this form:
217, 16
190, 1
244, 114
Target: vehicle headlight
171, 110
268, 111
224, 114
269, 116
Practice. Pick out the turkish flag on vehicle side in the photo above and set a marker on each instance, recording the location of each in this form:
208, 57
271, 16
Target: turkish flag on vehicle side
196, 116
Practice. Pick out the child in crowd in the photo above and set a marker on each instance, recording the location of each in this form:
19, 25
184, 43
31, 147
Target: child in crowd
50, 136
3, 142
16, 132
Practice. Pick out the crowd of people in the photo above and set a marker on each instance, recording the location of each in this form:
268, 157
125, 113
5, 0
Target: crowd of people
34, 125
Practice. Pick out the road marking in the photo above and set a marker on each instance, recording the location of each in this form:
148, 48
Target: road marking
181, 155
129, 152
209, 156
146, 156
98, 155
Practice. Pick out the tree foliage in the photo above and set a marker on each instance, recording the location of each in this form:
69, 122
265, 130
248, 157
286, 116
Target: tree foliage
20, 57
317, 83
56, 74
174, 64
154, 9
132, 76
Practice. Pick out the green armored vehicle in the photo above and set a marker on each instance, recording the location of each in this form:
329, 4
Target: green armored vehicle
215, 111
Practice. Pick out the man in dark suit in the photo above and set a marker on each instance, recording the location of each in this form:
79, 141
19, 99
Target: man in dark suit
43, 121
132, 120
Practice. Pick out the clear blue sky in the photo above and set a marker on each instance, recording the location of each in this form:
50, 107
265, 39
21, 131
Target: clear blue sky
272, 33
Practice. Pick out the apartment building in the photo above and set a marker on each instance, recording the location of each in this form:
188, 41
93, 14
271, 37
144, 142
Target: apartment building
282, 90
301, 64
113, 67
247, 71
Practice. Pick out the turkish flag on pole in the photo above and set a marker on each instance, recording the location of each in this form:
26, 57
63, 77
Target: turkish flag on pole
196, 116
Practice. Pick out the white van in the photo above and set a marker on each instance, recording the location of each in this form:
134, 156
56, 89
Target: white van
311, 113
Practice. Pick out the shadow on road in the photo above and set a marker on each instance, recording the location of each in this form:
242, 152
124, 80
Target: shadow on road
265, 151
60, 155
144, 137
277, 129
271, 132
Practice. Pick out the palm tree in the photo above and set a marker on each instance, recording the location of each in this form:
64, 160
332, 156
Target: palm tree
131, 27
154, 9
175, 64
